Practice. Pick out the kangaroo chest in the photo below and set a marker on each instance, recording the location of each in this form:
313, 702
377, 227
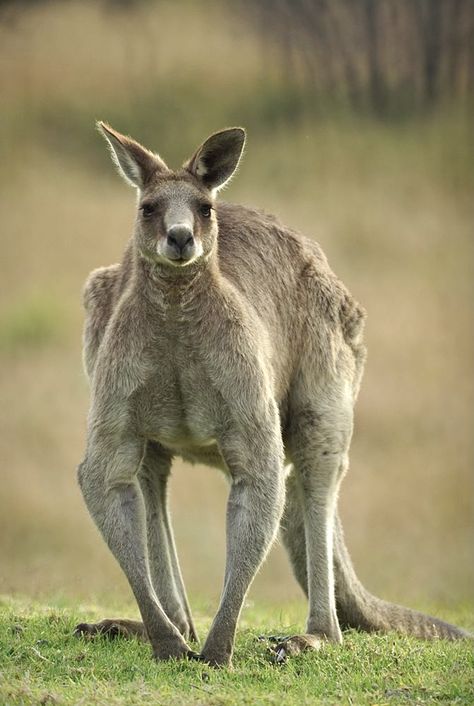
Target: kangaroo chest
178, 405
201, 367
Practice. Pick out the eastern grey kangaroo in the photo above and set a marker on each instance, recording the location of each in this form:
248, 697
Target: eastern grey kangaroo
223, 337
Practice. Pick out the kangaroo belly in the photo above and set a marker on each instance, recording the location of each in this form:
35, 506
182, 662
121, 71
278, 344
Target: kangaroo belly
177, 427
185, 439
191, 438
178, 410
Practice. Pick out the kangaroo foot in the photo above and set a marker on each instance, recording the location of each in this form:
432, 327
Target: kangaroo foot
216, 655
215, 659
130, 628
173, 649
282, 648
112, 629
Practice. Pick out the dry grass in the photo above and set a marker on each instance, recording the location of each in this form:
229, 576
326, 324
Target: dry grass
390, 205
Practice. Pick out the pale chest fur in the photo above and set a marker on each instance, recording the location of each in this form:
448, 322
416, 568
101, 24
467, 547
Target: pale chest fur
193, 367
178, 405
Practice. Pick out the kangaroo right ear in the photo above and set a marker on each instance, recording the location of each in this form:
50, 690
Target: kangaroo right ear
135, 163
218, 157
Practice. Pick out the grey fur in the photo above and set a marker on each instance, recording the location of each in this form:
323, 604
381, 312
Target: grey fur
246, 354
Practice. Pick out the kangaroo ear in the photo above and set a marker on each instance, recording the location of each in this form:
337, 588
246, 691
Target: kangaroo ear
218, 157
135, 163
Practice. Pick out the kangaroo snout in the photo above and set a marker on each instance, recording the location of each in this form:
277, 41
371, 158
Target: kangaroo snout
180, 242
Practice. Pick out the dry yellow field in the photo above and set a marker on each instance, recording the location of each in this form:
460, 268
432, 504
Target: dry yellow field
391, 205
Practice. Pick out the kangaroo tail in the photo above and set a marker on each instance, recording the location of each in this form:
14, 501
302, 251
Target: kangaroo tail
357, 608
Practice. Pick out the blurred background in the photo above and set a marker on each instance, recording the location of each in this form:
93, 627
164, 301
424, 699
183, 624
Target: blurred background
360, 133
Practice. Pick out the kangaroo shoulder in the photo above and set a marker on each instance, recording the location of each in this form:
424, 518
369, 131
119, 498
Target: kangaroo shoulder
99, 294
100, 287
352, 317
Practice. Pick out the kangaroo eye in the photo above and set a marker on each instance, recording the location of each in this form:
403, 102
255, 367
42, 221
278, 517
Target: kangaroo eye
147, 209
205, 210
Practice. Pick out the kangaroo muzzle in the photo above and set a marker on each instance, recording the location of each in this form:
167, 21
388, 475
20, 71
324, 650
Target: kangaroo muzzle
180, 243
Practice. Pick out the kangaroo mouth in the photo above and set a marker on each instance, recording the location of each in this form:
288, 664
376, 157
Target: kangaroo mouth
181, 261
180, 258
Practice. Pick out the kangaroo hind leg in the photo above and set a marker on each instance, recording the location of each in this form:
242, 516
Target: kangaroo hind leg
108, 480
318, 443
164, 567
292, 531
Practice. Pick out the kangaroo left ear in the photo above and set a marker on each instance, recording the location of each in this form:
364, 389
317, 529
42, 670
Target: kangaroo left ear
134, 162
218, 157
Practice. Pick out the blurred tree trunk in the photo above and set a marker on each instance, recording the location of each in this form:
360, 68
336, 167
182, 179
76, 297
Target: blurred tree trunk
376, 53
341, 15
470, 47
453, 47
376, 87
429, 14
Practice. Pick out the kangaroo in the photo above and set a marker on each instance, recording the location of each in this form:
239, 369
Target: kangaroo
223, 337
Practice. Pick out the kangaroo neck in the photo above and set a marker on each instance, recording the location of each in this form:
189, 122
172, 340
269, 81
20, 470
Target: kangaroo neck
176, 287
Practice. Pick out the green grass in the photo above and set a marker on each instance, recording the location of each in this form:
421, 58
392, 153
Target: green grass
42, 663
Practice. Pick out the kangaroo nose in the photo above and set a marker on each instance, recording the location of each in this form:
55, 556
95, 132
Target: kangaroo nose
180, 236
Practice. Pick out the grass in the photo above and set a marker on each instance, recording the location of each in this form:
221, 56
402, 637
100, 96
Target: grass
42, 663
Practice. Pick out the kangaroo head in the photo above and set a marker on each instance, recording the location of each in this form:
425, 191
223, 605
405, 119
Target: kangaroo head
176, 222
